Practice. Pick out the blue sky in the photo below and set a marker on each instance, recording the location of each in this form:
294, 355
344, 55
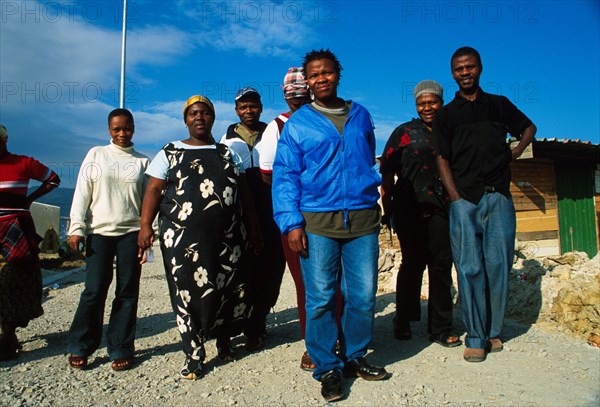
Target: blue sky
60, 63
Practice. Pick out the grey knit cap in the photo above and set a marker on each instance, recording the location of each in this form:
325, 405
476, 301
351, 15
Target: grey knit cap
428, 86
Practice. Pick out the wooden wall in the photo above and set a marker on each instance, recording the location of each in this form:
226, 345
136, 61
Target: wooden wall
533, 188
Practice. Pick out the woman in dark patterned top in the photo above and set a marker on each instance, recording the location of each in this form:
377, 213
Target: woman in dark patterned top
414, 200
194, 185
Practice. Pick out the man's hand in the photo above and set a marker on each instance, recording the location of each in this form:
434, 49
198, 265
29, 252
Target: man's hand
526, 139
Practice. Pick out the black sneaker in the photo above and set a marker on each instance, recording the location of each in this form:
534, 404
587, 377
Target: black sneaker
360, 368
331, 386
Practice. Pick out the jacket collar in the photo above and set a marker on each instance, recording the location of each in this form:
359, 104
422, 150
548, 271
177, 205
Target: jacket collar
231, 133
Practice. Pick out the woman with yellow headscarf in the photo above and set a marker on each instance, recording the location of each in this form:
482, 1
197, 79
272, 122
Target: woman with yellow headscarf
193, 186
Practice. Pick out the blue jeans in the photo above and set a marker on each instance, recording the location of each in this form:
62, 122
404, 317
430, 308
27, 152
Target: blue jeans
86, 330
483, 240
352, 262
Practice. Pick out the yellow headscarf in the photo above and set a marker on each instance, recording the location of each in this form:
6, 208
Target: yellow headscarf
196, 99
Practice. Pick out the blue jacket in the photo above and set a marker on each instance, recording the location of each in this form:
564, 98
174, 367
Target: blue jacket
318, 170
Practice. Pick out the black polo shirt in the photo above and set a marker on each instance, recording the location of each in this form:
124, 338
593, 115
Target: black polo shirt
472, 136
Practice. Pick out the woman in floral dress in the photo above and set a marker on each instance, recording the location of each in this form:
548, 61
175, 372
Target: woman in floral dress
194, 186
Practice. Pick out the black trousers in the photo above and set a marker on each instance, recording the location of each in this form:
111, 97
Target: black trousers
86, 329
265, 273
424, 242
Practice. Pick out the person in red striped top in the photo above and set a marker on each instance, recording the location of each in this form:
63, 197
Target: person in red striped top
20, 273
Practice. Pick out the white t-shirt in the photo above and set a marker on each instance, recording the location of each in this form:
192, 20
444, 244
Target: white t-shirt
268, 144
159, 167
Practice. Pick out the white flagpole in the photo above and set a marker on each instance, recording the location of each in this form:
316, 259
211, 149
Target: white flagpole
122, 95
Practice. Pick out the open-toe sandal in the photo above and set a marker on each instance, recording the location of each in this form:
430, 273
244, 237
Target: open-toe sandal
192, 369
306, 362
225, 351
446, 339
78, 362
119, 364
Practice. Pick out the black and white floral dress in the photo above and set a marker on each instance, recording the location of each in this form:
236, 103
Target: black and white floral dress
202, 239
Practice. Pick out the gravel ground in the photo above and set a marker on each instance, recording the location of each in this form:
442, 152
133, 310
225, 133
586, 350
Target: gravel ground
537, 367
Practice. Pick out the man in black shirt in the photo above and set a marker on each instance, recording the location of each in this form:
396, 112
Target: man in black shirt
473, 159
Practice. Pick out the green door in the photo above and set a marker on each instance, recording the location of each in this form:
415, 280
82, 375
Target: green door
576, 212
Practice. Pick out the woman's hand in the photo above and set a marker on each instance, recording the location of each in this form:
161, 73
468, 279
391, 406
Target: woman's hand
150, 205
74, 242
298, 242
145, 240
143, 256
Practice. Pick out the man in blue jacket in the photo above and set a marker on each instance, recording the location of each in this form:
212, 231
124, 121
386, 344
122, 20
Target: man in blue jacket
325, 192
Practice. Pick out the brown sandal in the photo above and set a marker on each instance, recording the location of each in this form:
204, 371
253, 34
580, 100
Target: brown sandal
78, 362
225, 351
446, 339
495, 345
306, 362
119, 364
